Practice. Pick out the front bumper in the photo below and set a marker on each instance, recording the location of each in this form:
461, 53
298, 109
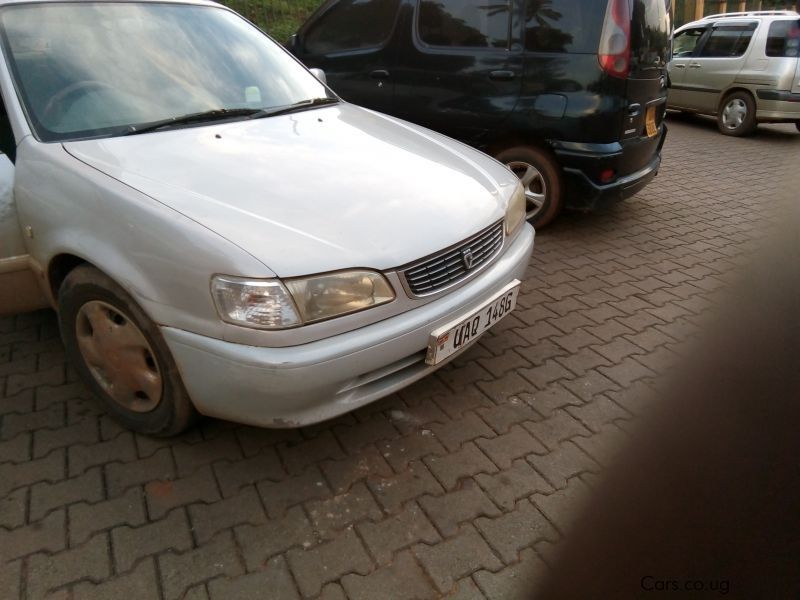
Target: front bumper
302, 385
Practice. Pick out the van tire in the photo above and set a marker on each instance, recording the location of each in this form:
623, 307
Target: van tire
737, 115
128, 366
546, 181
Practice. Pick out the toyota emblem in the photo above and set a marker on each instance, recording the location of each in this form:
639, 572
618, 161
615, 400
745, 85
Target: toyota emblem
466, 256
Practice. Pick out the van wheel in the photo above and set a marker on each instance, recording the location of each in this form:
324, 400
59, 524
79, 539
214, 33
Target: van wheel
541, 178
120, 355
737, 115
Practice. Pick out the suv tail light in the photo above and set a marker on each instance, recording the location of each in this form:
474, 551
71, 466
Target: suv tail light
615, 41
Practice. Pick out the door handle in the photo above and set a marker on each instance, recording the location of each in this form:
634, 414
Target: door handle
695, 66
680, 66
379, 74
501, 75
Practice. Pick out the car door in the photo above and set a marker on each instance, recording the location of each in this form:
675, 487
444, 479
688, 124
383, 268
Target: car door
715, 65
460, 66
352, 41
684, 45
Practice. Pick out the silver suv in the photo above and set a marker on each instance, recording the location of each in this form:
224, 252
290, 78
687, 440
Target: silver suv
741, 67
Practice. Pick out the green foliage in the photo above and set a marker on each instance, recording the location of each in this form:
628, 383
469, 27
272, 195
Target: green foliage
279, 18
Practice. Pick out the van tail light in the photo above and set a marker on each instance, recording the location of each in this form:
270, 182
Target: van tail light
615, 42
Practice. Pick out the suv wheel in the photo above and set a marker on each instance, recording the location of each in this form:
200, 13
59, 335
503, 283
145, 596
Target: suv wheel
541, 178
120, 355
737, 114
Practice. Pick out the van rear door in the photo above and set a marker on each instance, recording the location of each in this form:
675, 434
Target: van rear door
646, 88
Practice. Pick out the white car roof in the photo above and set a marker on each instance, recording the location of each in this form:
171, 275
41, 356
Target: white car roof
741, 17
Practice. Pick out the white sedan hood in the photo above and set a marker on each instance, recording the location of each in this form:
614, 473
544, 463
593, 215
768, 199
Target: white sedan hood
315, 191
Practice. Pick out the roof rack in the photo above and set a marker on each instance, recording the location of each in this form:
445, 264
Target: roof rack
753, 13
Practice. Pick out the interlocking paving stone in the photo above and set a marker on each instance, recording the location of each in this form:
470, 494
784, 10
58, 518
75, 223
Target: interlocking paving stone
48, 535
508, 486
164, 495
465, 504
516, 582
262, 542
402, 580
274, 581
179, 572
208, 519
456, 557
132, 543
141, 582
400, 531
91, 560
87, 519
277, 497
342, 474
317, 566
518, 529
334, 514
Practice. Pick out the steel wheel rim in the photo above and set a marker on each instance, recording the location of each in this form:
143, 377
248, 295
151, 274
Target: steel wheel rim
734, 114
118, 356
534, 184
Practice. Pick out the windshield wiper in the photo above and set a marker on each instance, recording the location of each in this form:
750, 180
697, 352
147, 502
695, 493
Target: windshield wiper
200, 117
226, 113
302, 105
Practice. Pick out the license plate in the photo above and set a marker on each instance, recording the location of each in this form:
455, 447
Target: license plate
447, 340
650, 122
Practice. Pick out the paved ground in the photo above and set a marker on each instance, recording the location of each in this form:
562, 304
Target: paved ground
461, 485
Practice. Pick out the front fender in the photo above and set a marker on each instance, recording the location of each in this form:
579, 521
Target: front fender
162, 258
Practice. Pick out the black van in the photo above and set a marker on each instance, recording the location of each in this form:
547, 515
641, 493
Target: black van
570, 94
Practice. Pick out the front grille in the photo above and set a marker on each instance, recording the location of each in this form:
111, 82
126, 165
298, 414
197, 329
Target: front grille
451, 266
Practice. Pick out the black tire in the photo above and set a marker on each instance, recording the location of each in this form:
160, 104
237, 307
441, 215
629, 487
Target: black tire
797, 124
86, 290
736, 102
548, 173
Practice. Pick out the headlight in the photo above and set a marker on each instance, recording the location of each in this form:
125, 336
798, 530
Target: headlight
272, 304
335, 294
515, 214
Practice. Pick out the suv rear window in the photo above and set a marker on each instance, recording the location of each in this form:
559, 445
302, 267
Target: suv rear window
784, 39
464, 23
352, 25
564, 25
651, 29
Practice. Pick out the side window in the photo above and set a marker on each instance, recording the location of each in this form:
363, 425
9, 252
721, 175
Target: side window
783, 39
464, 23
728, 42
352, 25
8, 145
685, 43
561, 26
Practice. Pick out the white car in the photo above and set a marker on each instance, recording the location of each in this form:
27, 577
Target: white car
220, 233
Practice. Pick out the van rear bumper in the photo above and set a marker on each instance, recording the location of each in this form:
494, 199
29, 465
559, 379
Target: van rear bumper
583, 193
778, 106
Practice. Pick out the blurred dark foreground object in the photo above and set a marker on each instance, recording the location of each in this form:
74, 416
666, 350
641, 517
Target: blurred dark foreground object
705, 502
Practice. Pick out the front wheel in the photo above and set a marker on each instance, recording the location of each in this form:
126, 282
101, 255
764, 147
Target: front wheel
120, 355
541, 177
737, 115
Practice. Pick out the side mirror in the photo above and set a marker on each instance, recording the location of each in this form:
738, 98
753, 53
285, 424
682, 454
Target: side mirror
319, 74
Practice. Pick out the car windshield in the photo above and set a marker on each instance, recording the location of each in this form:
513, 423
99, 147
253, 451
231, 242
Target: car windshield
87, 70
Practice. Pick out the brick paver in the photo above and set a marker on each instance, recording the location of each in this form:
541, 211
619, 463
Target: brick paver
460, 486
